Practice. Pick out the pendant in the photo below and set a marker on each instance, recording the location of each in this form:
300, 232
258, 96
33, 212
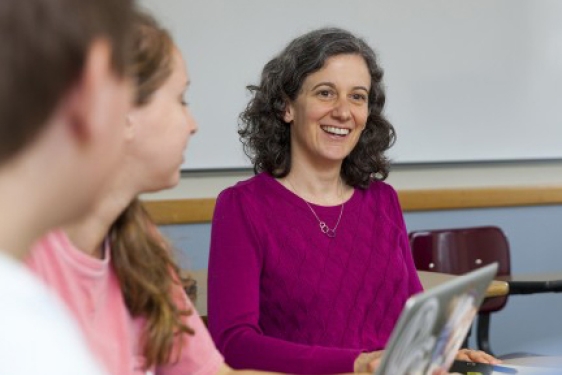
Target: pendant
326, 230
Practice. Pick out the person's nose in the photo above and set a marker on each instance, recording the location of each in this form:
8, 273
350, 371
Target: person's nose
342, 110
192, 123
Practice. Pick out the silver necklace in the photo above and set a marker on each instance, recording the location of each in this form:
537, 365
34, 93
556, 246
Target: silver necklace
322, 224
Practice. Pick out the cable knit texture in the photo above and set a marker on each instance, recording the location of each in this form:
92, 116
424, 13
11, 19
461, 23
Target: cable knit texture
300, 301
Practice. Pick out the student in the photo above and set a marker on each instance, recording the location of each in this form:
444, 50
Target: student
63, 98
312, 254
112, 268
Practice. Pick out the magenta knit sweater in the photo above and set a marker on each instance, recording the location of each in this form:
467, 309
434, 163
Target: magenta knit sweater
285, 297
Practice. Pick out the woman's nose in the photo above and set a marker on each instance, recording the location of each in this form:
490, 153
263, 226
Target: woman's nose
342, 110
192, 123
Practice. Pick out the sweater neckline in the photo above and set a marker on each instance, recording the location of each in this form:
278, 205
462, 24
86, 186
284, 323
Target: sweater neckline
281, 191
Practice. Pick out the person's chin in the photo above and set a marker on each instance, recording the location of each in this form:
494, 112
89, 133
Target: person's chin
165, 184
174, 180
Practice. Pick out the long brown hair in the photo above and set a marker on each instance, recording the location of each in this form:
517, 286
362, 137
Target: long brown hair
142, 259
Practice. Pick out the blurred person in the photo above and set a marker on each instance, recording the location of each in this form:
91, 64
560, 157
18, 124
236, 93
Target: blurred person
64, 94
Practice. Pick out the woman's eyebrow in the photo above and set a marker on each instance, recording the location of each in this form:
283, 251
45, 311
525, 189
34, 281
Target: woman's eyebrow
330, 84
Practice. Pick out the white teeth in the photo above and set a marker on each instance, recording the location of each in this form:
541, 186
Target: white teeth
334, 130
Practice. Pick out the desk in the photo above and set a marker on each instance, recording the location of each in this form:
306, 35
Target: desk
497, 288
534, 283
428, 280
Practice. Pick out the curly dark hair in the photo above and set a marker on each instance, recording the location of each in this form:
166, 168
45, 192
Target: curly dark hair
266, 136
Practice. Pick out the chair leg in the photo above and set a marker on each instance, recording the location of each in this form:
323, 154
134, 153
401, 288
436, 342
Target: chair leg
482, 336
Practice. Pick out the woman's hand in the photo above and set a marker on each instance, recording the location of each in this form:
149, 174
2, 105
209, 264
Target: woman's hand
470, 355
368, 362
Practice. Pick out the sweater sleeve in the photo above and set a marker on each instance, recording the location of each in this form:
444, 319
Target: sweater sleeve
415, 285
235, 266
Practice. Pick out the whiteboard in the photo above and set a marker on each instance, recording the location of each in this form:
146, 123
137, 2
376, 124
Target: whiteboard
477, 80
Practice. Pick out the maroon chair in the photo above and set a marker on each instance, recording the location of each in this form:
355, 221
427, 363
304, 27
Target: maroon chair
460, 250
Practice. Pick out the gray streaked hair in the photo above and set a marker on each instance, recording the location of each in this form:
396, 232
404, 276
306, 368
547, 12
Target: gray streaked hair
266, 136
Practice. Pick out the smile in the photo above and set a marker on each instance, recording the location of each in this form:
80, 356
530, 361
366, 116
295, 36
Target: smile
335, 131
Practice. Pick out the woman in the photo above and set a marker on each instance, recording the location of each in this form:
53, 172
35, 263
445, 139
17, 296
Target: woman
312, 253
112, 268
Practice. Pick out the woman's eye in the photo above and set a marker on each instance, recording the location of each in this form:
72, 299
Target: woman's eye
325, 93
359, 97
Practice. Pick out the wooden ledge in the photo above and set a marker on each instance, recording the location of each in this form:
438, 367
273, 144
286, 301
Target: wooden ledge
181, 211
192, 211
449, 199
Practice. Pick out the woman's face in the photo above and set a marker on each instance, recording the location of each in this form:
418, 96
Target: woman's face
163, 127
330, 111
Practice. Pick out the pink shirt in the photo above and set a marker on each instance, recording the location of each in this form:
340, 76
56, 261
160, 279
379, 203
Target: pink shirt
90, 288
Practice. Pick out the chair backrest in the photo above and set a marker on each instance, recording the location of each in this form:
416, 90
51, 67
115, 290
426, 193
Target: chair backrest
460, 250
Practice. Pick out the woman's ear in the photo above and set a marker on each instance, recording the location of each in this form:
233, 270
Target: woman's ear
86, 102
288, 116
